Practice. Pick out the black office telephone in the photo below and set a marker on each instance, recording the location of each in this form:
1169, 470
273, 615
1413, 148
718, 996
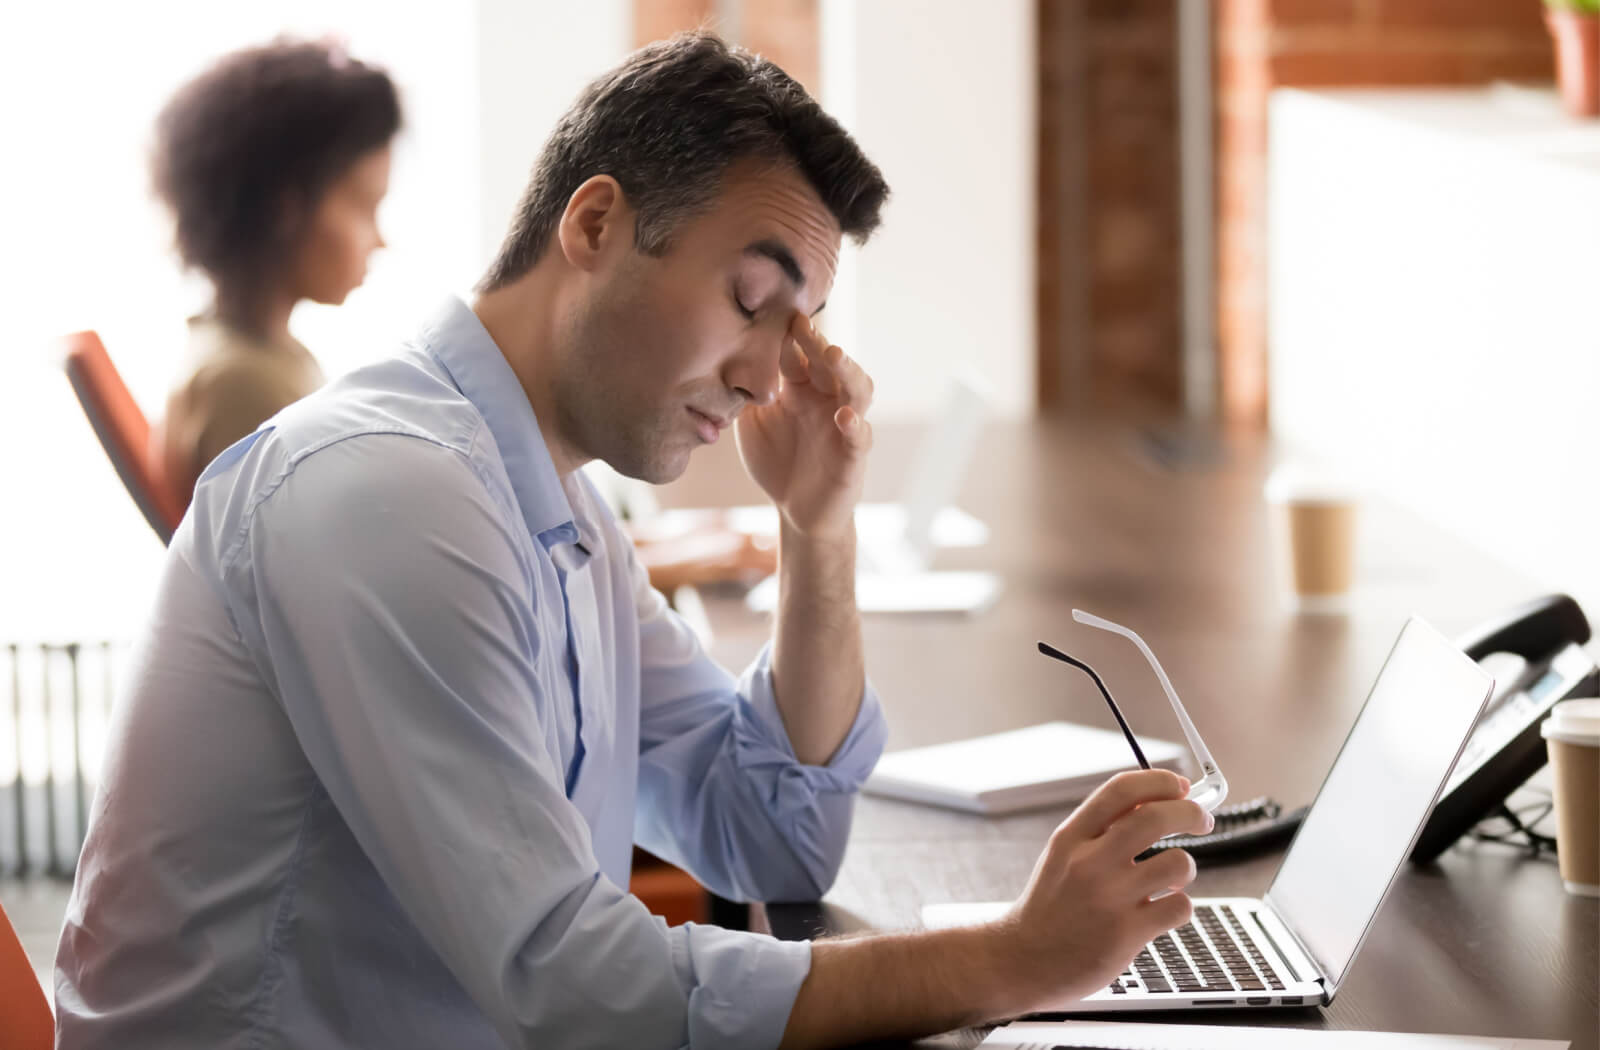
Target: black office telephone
1535, 654
1247, 827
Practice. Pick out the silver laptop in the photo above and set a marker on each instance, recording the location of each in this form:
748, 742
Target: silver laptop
1294, 946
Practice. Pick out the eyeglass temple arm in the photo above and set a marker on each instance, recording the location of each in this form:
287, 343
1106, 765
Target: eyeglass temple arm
1208, 765
1049, 650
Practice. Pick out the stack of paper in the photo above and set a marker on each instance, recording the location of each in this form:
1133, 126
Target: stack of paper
1042, 765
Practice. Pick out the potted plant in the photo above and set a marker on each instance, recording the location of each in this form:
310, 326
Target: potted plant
1575, 27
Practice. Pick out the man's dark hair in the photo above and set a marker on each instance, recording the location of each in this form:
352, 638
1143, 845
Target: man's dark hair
667, 124
261, 127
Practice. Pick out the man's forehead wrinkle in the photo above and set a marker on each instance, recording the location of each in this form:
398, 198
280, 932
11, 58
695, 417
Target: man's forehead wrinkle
798, 216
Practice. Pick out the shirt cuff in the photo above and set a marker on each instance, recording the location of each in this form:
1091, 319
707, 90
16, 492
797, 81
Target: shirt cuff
743, 985
762, 741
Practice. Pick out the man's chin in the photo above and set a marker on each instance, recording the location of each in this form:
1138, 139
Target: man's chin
657, 471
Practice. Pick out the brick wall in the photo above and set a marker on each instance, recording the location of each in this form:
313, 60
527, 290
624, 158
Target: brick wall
1061, 277
1109, 267
1133, 234
1264, 44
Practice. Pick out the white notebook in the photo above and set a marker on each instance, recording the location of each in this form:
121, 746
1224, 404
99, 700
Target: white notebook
1042, 765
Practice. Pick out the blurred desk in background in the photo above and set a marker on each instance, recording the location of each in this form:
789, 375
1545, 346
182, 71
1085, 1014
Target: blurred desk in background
1166, 532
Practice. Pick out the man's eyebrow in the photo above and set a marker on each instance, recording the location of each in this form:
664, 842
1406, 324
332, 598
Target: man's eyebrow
778, 252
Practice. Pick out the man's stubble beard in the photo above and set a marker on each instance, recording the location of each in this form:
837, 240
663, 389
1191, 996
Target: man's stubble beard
633, 440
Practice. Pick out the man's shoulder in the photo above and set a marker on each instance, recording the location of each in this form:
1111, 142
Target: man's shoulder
403, 394
393, 430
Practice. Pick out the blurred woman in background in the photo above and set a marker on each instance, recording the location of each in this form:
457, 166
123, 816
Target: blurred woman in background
273, 163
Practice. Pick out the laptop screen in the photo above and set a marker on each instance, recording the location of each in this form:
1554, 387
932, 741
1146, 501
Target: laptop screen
1377, 795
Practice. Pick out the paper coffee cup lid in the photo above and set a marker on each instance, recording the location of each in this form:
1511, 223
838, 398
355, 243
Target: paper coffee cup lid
1575, 721
1296, 483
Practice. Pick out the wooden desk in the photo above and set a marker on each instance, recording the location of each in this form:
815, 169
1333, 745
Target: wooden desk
1483, 942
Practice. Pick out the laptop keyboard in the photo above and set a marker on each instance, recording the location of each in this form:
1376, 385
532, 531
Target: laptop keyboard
1213, 953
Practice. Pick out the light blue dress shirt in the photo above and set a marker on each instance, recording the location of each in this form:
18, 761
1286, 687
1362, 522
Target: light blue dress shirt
405, 703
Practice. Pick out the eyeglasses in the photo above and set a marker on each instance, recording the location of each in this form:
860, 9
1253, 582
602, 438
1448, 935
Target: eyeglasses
1212, 788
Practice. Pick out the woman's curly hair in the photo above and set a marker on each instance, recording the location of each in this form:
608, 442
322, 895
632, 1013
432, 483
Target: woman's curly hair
262, 129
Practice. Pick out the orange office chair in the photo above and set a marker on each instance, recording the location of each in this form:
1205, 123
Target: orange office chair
667, 891
25, 1019
123, 430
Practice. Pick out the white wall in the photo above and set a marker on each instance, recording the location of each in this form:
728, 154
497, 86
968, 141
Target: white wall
1435, 312
942, 95
533, 59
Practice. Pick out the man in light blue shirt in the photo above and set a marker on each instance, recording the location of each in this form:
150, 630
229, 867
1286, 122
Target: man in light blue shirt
407, 700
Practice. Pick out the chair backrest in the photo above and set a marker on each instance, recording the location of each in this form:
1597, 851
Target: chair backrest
123, 430
25, 1019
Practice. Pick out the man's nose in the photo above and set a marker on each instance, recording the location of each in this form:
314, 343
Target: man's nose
754, 371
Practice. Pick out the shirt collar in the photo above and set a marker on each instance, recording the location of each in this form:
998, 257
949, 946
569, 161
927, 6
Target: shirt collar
457, 340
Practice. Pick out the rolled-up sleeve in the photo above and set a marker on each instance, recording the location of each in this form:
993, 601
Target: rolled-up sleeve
381, 593
721, 792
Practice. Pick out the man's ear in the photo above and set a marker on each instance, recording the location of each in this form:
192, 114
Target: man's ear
597, 222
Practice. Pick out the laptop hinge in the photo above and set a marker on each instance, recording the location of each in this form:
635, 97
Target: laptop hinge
1316, 972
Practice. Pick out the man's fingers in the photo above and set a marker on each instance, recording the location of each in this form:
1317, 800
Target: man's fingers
1168, 913
824, 372
1111, 800
1136, 831
815, 349
1171, 869
856, 430
832, 373
793, 364
853, 379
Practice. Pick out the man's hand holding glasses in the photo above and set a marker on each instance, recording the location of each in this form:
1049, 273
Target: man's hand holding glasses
1089, 906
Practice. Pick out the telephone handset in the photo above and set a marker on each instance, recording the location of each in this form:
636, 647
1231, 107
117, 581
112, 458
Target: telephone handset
1535, 654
